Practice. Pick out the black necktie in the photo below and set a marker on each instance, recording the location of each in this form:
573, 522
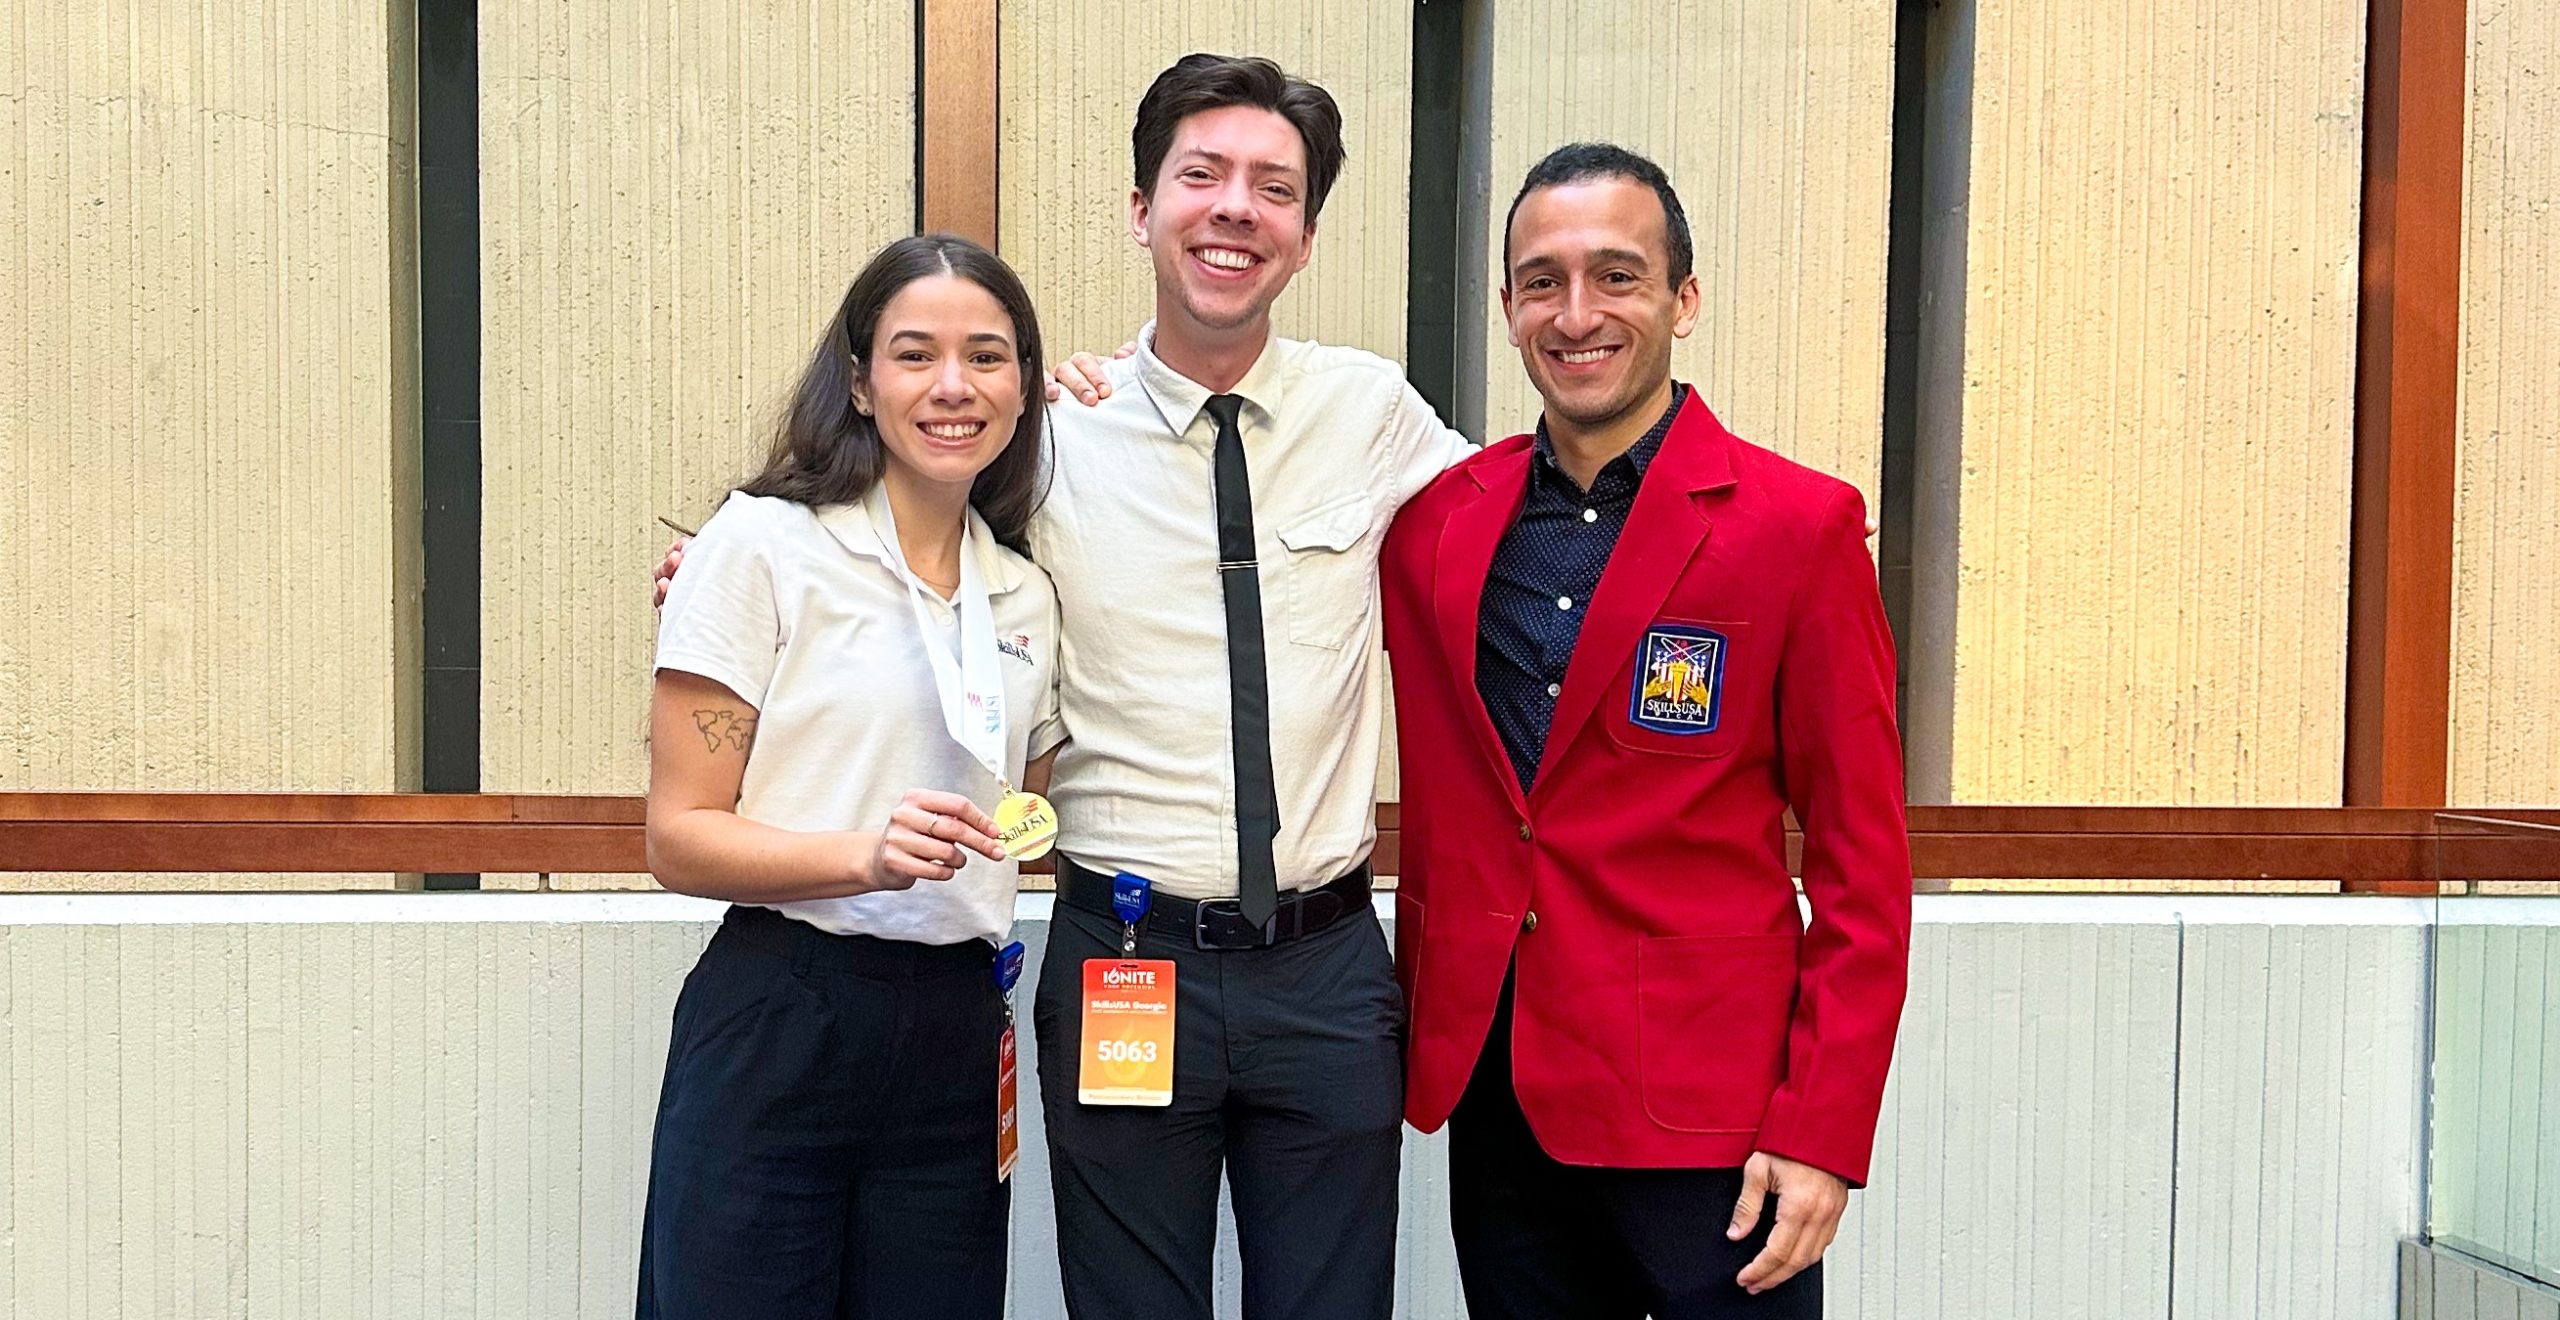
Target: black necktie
1248, 682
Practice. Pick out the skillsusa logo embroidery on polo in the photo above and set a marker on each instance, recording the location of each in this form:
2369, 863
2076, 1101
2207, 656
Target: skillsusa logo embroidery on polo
1018, 646
1679, 682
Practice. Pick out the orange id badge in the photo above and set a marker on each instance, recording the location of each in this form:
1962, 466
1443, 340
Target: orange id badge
1008, 1108
1128, 1032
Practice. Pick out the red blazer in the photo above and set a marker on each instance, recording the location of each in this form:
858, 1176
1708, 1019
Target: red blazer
1671, 1009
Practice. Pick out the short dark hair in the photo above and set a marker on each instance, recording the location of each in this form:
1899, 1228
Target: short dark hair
1199, 82
825, 451
1580, 161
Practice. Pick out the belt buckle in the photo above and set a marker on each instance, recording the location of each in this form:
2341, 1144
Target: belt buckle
1228, 907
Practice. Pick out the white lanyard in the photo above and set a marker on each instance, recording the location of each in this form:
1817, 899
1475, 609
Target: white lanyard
971, 688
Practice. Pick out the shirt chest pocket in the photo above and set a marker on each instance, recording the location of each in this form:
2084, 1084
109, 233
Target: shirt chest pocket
1327, 577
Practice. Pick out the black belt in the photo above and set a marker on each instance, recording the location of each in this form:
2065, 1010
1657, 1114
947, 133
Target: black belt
1216, 923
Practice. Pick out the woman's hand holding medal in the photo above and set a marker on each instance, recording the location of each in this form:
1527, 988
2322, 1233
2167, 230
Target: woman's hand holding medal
926, 835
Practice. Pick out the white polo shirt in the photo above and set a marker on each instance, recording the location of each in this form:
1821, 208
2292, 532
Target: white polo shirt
1335, 442
804, 614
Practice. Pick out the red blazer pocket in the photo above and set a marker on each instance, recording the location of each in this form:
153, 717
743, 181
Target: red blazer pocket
1711, 1027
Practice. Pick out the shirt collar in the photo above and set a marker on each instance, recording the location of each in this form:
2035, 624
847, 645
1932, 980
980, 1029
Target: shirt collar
1639, 455
1180, 399
857, 527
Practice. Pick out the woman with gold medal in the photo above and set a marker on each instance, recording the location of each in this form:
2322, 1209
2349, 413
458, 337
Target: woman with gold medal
850, 678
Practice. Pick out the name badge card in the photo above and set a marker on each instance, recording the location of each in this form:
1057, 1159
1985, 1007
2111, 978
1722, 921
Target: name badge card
1008, 969
1008, 1109
1128, 1032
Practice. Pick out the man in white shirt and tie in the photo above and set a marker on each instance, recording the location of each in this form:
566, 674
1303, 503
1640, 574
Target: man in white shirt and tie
1214, 530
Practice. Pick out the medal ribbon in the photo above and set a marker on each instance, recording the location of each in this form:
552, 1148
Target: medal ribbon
969, 684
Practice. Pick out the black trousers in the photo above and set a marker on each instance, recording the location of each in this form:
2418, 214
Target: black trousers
1287, 1076
826, 1139
1542, 1240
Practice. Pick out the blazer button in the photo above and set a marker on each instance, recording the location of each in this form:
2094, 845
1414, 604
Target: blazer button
1529, 922
1524, 831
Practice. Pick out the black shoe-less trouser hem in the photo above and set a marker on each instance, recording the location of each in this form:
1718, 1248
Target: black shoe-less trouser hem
826, 1136
1287, 1076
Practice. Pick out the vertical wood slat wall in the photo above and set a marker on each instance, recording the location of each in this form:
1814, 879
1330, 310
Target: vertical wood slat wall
2505, 708
240, 577
2135, 448
672, 206
208, 484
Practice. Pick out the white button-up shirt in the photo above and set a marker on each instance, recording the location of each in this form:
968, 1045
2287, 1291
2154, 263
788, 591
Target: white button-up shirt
805, 615
1335, 442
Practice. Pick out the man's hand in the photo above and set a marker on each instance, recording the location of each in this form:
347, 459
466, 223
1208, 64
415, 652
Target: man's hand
1083, 376
1809, 1206
667, 572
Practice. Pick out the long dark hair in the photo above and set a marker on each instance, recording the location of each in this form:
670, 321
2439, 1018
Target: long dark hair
824, 452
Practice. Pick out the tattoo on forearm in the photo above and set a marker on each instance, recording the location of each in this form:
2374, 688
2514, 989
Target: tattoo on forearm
719, 726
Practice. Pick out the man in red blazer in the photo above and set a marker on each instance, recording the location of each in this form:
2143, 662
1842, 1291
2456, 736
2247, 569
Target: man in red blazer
1624, 647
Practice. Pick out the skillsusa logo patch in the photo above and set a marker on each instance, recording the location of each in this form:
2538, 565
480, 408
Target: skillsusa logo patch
1679, 682
1018, 646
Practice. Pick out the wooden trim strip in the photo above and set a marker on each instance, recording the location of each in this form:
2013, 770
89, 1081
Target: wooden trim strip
956, 100
2408, 374
551, 847
2282, 822
322, 808
2377, 850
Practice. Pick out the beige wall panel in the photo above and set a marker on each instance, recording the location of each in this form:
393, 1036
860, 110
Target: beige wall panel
413, 1107
1073, 73
2301, 1084
1775, 123
2028, 1128
673, 198
2506, 595
2137, 403
2496, 1156
206, 447
316, 1121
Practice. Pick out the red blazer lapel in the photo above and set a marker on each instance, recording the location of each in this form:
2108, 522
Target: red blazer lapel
1468, 540
1663, 533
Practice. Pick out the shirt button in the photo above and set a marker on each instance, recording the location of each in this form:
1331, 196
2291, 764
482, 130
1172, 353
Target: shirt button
1564, 602
1591, 515
1529, 922
1555, 689
1524, 831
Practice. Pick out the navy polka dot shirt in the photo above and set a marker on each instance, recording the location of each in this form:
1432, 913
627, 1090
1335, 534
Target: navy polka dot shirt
1543, 575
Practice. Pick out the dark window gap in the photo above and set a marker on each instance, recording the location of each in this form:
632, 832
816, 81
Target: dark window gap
1431, 293
449, 396
1903, 248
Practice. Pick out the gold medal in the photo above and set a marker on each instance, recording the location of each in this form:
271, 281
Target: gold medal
1026, 825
